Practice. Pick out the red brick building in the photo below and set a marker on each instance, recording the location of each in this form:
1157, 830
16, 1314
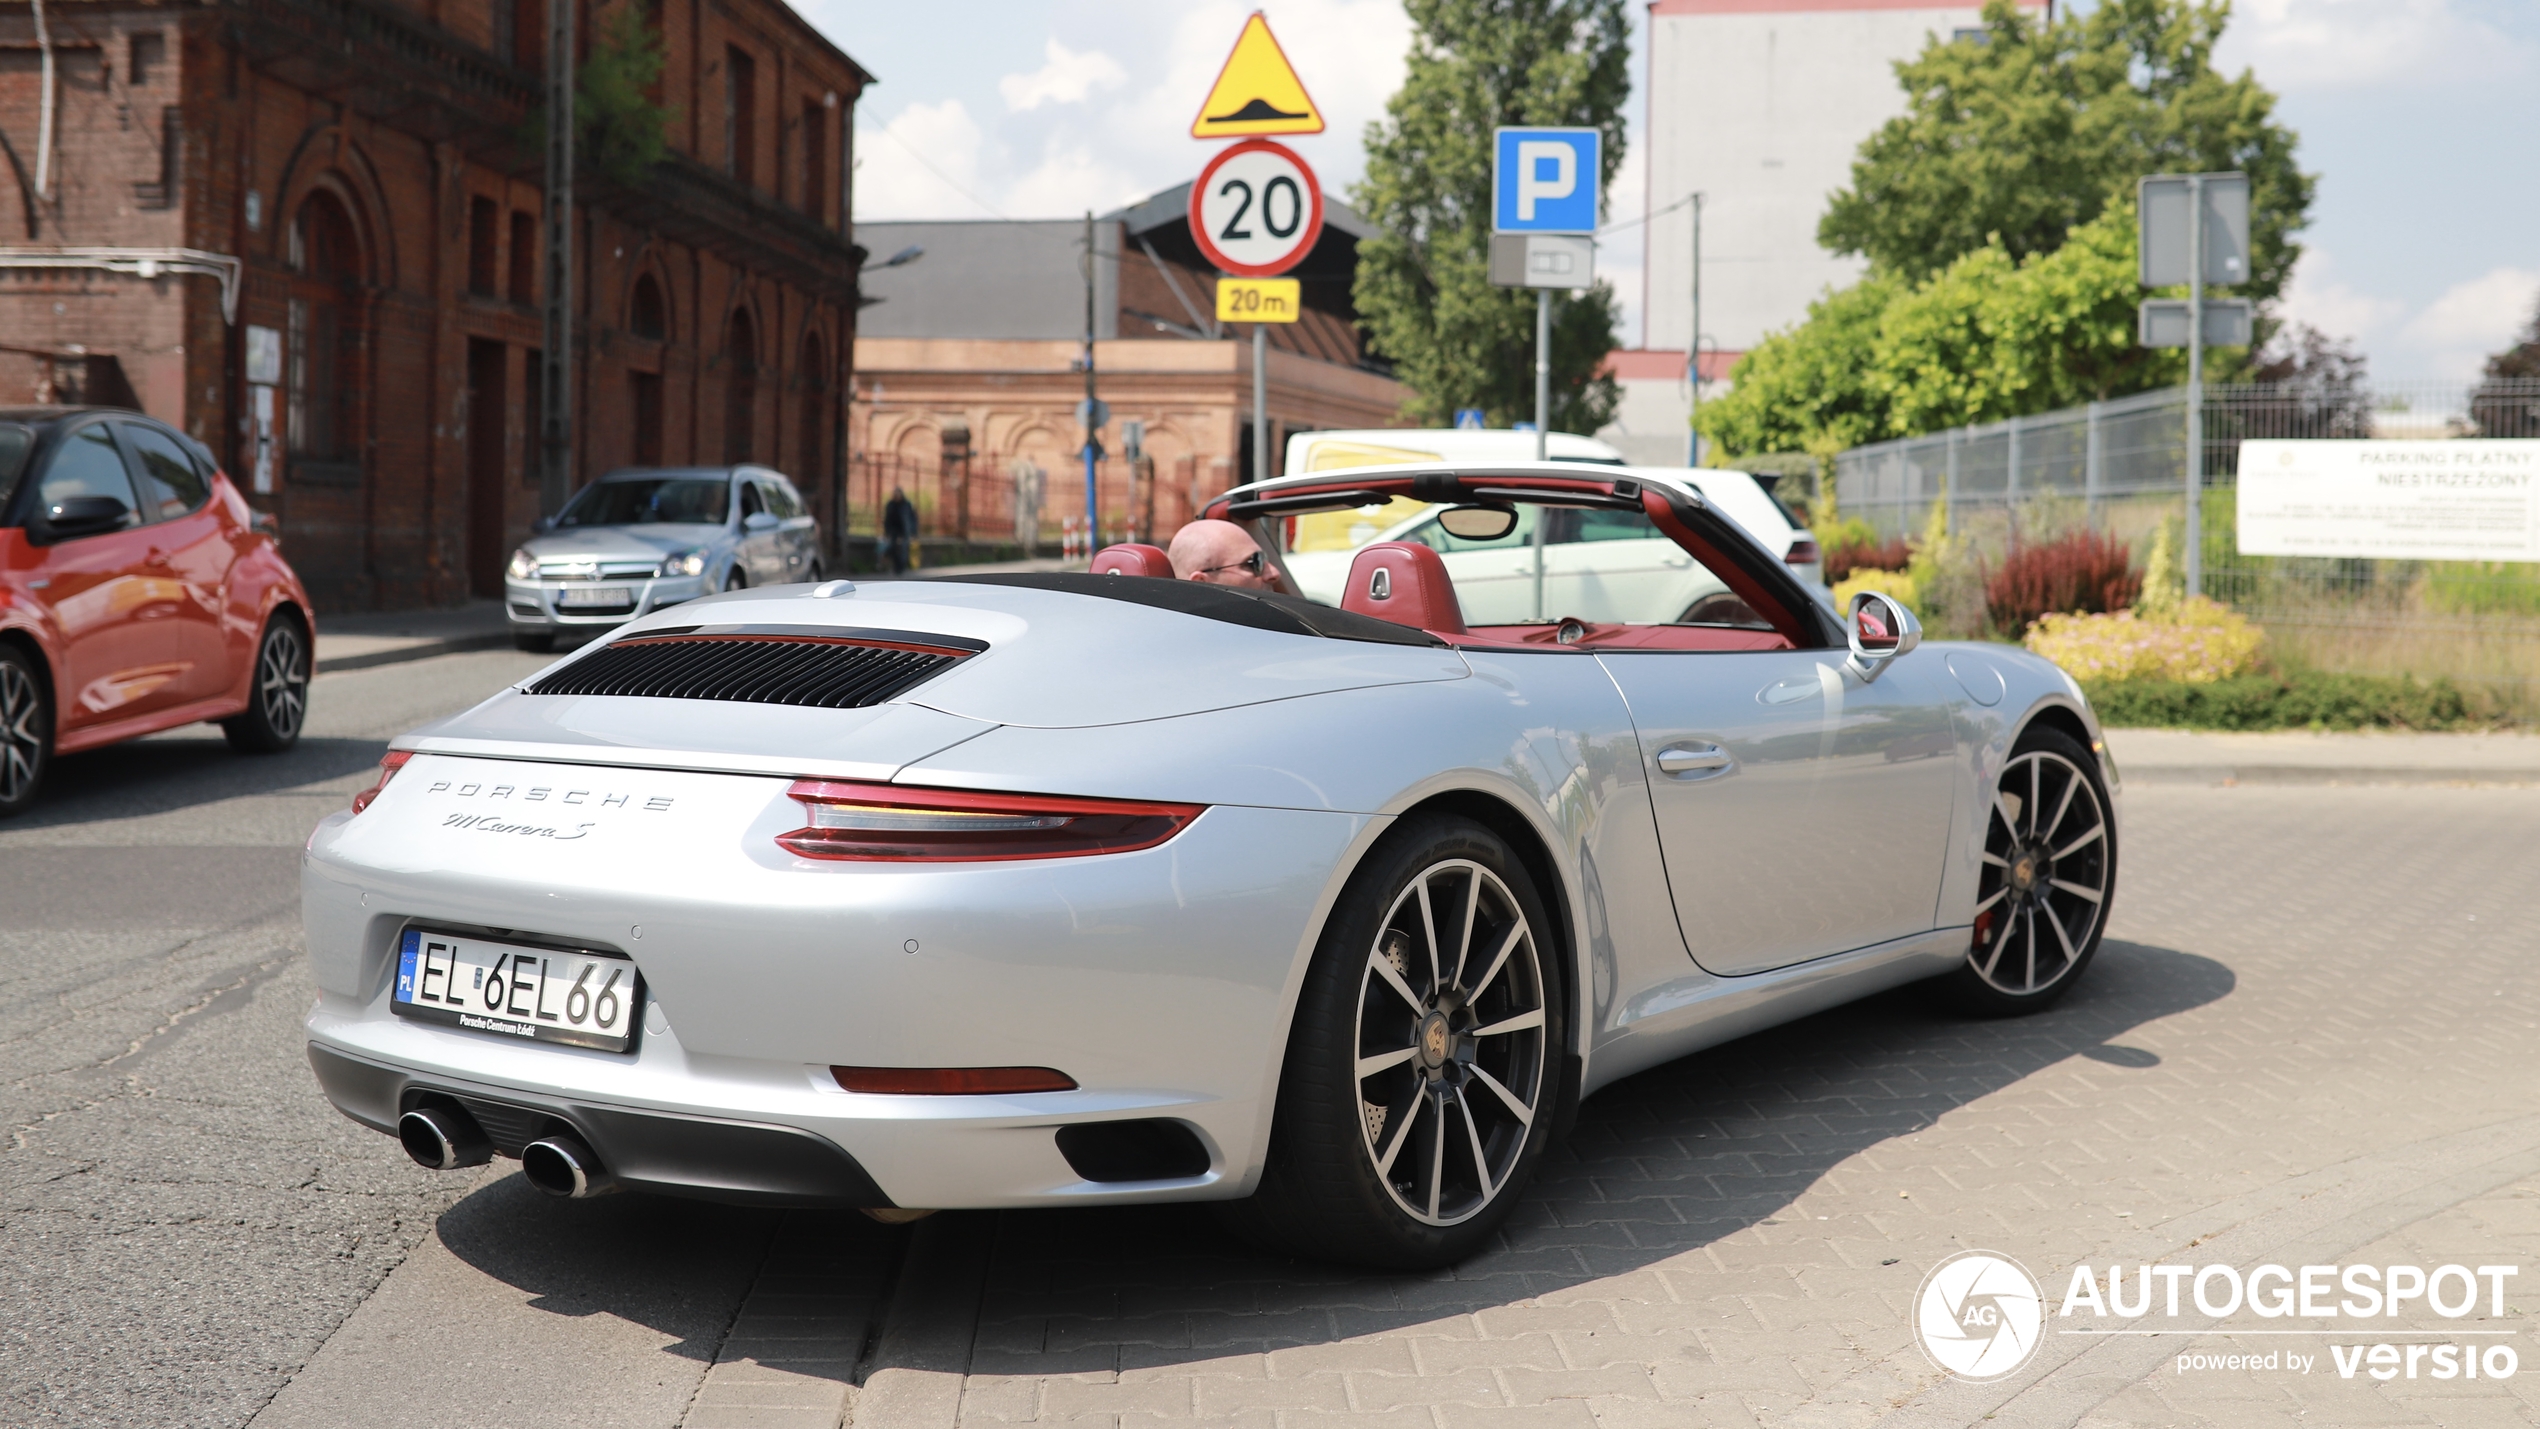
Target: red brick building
339, 202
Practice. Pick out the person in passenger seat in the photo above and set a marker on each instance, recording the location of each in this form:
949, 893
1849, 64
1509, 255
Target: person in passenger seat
1221, 553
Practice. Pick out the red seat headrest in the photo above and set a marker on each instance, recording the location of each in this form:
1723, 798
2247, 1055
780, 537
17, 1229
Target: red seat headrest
1130, 560
1405, 583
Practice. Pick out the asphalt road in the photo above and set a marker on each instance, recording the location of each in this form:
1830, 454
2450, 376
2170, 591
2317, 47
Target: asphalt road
2309, 1038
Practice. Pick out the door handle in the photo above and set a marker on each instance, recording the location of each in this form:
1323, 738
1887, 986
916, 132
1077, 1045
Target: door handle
1695, 759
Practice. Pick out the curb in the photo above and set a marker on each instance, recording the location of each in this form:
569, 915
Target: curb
420, 650
2321, 776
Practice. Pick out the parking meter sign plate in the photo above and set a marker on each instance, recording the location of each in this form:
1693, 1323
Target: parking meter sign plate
1256, 209
1545, 180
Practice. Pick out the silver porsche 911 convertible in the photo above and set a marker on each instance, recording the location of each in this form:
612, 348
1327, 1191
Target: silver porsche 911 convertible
1084, 888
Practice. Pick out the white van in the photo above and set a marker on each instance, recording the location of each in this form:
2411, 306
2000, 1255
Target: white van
1339, 532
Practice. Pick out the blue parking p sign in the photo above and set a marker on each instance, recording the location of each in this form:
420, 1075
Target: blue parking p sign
1544, 181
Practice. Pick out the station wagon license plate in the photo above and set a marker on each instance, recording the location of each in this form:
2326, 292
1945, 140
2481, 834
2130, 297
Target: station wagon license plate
596, 595
580, 999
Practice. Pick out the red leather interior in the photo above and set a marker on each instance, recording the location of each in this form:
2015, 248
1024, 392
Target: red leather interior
1131, 560
1405, 583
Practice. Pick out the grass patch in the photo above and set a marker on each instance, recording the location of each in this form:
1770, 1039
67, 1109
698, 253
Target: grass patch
2302, 699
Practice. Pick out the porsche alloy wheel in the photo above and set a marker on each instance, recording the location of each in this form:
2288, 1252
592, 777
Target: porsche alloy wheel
278, 701
1422, 1073
26, 731
1450, 1043
2048, 866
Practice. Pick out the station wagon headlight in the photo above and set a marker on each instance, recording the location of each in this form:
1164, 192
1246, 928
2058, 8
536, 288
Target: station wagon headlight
686, 563
524, 566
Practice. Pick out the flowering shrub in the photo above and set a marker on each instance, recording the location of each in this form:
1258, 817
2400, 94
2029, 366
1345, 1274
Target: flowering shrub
1892, 583
1870, 555
2198, 642
2082, 571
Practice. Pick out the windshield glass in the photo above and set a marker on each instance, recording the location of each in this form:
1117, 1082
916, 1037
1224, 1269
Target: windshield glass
1602, 567
688, 499
14, 444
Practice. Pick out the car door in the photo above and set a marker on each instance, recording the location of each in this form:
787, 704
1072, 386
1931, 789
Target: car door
1615, 566
190, 542
1801, 811
758, 554
794, 533
110, 606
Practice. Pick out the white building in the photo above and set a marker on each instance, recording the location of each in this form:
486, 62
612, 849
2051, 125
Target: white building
1760, 106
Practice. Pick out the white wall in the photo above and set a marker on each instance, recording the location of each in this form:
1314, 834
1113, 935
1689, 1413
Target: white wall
1761, 105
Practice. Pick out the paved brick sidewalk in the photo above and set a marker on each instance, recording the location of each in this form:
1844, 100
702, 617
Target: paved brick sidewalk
2311, 1034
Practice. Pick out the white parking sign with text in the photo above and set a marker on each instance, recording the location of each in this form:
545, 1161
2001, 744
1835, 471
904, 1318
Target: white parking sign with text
2468, 500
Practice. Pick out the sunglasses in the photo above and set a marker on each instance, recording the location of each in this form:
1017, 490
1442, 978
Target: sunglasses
1252, 565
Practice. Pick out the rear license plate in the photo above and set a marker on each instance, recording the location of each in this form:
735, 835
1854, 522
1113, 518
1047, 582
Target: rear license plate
596, 595
580, 999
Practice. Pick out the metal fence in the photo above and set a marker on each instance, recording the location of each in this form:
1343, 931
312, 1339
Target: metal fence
2120, 466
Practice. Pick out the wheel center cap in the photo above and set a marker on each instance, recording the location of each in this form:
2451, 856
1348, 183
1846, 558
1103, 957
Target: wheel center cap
1435, 1040
2024, 872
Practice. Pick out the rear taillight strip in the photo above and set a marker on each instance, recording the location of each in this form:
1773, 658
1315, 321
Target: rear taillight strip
389, 764
896, 823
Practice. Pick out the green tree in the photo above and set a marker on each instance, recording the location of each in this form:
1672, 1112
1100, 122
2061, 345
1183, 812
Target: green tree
2039, 127
617, 126
1423, 287
1989, 336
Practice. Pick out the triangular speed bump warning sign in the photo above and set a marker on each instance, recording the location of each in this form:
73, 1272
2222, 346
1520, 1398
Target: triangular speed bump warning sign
1257, 92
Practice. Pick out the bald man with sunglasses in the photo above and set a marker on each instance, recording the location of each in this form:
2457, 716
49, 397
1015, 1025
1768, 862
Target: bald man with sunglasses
1221, 553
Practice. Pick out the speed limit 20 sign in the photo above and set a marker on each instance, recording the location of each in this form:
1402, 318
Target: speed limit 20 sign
1256, 209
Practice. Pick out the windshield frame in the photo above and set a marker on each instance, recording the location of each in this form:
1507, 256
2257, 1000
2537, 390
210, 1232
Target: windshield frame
12, 475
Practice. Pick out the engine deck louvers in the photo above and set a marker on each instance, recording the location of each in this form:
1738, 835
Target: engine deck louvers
774, 665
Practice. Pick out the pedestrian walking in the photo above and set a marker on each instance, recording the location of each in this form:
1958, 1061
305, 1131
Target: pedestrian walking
899, 531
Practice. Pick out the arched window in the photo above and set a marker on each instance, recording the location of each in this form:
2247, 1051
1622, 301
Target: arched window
740, 386
647, 316
322, 347
815, 410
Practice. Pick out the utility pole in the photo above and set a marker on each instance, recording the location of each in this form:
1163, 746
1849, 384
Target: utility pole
1693, 346
2196, 384
1261, 402
555, 362
1093, 411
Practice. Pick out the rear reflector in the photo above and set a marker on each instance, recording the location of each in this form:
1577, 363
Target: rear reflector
389, 764
888, 821
951, 1081
1802, 552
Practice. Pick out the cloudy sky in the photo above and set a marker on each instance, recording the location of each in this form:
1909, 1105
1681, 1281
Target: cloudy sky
2416, 114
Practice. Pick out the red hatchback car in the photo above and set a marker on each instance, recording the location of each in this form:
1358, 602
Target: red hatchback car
138, 591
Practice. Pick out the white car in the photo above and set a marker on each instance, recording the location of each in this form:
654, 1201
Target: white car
1598, 566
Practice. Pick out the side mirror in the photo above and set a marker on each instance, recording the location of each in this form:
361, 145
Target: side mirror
759, 521
76, 516
542, 526
1882, 630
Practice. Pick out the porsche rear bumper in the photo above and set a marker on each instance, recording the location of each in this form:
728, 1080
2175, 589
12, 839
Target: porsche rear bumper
1161, 981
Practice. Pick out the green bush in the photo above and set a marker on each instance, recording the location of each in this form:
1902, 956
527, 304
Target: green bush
2303, 699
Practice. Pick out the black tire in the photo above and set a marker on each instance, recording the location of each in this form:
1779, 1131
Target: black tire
26, 730
2047, 880
734, 580
277, 692
536, 642
1335, 1186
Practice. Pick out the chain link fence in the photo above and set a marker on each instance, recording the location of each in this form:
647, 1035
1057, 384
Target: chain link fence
2120, 467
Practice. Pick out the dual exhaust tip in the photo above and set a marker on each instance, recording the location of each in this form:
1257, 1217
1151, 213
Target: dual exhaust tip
441, 1138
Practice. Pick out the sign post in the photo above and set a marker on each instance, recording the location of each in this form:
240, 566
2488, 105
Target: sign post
1543, 236
2194, 230
1256, 209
